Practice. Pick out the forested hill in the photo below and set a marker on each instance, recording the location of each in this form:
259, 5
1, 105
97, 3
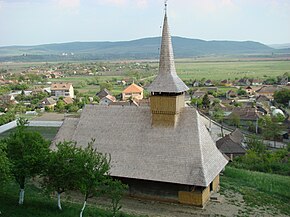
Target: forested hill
147, 48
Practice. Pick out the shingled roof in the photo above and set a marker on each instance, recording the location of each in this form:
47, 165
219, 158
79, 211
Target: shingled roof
167, 80
231, 143
184, 155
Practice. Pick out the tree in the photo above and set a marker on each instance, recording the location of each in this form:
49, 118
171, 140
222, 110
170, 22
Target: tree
282, 96
241, 92
94, 175
60, 105
270, 81
106, 85
116, 190
271, 128
4, 165
27, 151
205, 101
61, 173
256, 145
235, 120
196, 102
219, 116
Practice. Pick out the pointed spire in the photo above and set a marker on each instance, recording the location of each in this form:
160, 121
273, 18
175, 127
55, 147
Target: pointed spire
167, 81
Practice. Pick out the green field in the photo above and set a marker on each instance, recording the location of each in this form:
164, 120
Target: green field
258, 189
231, 70
47, 132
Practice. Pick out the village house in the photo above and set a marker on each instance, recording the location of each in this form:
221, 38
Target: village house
208, 83
103, 93
132, 92
226, 83
162, 152
249, 90
107, 100
62, 89
268, 91
256, 82
68, 100
198, 94
49, 103
245, 115
243, 82
283, 81
232, 144
264, 102
7, 99
231, 94
195, 83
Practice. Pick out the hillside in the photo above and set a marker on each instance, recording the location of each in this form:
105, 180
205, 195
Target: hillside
147, 48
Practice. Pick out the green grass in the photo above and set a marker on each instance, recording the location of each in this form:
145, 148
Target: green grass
47, 132
259, 189
36, 204
231, 69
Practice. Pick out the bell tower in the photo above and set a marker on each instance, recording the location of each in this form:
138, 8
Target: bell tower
167, 90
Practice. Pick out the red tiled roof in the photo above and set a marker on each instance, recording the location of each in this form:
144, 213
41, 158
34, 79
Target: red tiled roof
133, 88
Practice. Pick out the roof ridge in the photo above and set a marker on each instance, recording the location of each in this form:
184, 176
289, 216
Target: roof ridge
200, 146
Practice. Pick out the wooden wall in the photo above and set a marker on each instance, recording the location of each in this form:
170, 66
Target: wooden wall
165, 109
216, 183
196, 197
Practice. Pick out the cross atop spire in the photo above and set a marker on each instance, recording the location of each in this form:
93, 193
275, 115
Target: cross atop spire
165, 5
167, 81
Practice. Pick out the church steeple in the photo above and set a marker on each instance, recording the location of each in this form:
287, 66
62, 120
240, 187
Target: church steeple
167, 89
167, 81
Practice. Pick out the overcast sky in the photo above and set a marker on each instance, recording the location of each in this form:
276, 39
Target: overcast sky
30, 22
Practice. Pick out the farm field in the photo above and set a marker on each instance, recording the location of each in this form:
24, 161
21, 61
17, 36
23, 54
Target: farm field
187, 69
231, 70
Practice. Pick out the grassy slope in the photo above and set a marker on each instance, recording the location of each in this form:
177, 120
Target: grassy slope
36, 204
259, 189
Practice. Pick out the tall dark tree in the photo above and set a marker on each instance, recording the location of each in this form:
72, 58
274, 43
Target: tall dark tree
28, 152
205, 101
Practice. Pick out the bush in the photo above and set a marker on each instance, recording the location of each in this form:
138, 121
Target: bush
6, 118
259, 159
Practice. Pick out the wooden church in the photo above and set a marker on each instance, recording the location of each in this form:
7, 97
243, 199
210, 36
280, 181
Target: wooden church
163, 152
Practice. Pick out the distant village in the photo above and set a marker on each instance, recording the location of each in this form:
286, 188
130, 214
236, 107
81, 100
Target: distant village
241, 103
